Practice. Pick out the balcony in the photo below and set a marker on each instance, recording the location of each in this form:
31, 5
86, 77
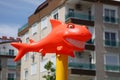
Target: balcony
90, 42
82, 66
80, 18
86, 66
11, 79
110, 43
107, 19
90, 45
6, 54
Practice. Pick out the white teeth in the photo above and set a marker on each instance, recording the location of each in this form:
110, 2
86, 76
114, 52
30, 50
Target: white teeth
76, 43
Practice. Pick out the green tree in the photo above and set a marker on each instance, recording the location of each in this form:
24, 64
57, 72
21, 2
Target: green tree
50, 71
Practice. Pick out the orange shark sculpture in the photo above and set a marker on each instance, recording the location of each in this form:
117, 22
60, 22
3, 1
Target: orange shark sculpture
63, 39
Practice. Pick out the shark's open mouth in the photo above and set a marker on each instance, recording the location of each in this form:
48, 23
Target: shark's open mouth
76, 43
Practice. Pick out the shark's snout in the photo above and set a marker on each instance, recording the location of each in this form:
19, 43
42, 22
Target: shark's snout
86, 34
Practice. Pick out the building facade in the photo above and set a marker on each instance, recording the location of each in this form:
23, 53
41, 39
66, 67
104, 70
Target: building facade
101, 58
9, 70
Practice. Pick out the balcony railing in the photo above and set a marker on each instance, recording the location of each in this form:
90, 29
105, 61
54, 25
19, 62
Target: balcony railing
90, 42
6, 53
82, 66
79, 16
110, 19
11, 79
87, 66
112, 68
111, 43
11, 66
23, 27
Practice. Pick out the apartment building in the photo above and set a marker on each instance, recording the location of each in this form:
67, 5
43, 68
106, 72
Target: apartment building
9, 70
101, 58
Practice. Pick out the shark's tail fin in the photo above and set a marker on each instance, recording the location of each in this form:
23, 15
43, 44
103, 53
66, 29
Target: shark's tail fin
22, 49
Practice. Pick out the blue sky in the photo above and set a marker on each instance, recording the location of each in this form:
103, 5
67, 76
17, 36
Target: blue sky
14, 14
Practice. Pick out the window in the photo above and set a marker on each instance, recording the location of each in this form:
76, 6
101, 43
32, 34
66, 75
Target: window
27, 37
110, 39
107, 15
110, 14
112, 62
33, 69
11, 76
91, 29
25, 74
113, 16
27, 40
11, 52
111, 59
44, 23
34, 29
42, 63
10, 62
78, 54
55, 14
26, 56
71, 13
53, 59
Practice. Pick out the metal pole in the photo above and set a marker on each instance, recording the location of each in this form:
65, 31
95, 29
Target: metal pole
61, 67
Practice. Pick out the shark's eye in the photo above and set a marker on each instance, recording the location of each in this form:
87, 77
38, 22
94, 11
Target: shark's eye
70, 26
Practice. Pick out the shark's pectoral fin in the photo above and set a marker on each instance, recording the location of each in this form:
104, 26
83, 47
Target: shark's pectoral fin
42, 52
31, 40
59, 48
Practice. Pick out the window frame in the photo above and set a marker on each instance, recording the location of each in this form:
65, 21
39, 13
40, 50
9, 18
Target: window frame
116, 38
13, 74
11, 52
25, 76
108, 16
33, 69
34, 28
10, 62
110, 55
55, 13
44, 23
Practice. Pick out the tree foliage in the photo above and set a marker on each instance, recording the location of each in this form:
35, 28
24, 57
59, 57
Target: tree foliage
50, 71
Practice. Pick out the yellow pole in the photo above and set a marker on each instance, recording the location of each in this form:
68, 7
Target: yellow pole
61, 67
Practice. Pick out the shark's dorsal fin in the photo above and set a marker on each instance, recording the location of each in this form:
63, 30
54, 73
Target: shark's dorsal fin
55, 23
31, 40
